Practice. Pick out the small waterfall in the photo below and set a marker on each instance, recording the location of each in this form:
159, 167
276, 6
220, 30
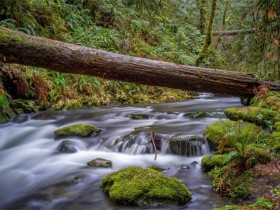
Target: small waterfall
140, 143
189, 145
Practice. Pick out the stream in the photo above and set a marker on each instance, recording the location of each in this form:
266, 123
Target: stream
35, 175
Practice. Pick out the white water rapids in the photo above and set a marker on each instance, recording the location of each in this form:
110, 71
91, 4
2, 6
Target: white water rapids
35, 175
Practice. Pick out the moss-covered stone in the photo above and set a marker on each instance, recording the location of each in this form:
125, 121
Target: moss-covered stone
100, 162
210, 161
80, 130
256, 115
157, 168
139, 116
144, 187
230, 131
200, 114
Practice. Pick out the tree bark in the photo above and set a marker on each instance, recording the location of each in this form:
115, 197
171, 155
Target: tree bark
16, 47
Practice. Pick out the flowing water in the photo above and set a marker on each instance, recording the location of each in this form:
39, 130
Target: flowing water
35, 175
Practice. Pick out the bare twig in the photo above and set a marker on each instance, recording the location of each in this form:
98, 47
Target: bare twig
154, 144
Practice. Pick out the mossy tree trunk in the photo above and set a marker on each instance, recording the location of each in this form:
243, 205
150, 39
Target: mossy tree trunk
20, 48
208, 39
202, 12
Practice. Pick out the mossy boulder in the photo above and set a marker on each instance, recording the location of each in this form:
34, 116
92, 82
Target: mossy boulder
210, 161
200, 114
100, 162
256, 115
230, 131
144, 187
80, 130
186, 145
139, 116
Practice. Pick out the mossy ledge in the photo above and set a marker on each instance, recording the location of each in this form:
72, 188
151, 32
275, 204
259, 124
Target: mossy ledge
210, 161
230, 130
256, 115
80, 130
144, 187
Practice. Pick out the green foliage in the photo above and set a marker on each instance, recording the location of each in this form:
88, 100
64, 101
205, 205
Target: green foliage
4, 102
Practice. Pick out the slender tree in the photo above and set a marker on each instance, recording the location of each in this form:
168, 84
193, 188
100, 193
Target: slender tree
208, 38
203, 12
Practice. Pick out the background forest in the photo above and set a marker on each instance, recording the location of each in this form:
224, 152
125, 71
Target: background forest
179, 31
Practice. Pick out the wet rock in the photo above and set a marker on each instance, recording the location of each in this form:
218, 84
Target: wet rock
135, 186
186, 145
194, 163
142, 138
79, 130
99, 162
139, 116
20, 119
67, 147
185, 167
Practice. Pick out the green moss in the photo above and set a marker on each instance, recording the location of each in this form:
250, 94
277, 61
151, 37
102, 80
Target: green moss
237, 189
209, 162
144, 187
5, 36
261, 203
6, 115
257, 155
274, 142
277, 126
99, 162
81, 130
200, 114
257, 115
230, 131
157, 168
139, 116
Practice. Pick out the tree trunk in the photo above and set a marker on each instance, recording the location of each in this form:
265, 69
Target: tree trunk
202, 12
208, 39
16, 47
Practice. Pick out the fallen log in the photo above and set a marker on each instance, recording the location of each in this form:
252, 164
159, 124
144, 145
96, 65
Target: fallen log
20, 48
234, 32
